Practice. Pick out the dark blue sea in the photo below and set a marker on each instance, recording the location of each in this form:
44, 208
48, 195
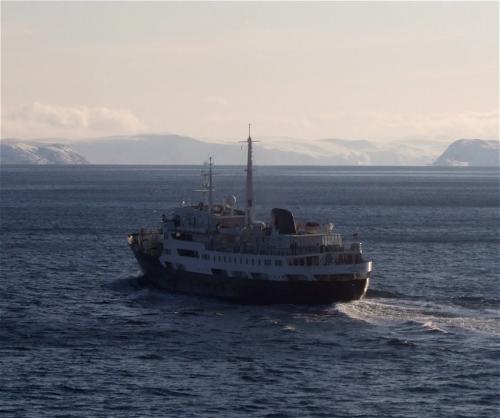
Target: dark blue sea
81, 335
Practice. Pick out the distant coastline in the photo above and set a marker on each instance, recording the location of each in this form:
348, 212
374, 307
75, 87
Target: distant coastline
180, 150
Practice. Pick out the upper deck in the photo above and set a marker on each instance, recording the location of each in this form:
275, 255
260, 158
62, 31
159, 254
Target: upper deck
224, 229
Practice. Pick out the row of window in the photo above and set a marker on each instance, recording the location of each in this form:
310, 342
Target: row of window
226, 258
221, 272
188, 253
296, 261
304, 261
244, 260
262, 276
314, 260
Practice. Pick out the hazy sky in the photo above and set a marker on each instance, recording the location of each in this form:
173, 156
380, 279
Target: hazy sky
306, 70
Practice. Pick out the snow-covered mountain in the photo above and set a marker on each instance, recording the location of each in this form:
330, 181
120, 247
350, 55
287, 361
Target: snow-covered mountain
176, 149
360, 152
470, 152
15, 152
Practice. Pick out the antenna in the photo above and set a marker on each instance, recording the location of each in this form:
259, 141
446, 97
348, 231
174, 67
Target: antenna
207, 189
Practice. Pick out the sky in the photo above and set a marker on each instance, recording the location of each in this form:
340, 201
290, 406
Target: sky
380, 71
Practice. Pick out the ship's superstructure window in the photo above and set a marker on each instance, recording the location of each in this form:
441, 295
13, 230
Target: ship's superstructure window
344, 259
187, 253
205, 257
267, 262
278, 263
312, 261
303, 261
166, 250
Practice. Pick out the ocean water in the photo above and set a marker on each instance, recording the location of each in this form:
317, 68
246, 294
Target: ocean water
82, 335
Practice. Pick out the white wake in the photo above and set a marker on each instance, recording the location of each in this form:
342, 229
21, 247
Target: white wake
435, 317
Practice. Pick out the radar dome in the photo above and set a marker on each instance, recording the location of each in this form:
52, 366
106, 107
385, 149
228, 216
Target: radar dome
230, 201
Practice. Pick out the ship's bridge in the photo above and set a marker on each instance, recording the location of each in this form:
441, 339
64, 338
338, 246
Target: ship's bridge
200, 217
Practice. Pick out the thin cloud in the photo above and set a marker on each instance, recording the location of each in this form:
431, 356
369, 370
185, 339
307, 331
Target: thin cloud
51, 120
379, 126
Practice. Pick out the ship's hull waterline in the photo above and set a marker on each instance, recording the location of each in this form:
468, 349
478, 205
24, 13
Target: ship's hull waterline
252, 291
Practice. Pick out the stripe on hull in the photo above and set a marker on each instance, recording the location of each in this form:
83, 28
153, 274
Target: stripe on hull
252, 291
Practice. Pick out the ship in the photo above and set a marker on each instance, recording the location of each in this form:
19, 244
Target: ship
217, 249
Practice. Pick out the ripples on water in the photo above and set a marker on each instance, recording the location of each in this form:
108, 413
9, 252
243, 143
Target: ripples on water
81, 334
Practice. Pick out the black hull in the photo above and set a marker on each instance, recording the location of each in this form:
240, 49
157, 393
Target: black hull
251, 291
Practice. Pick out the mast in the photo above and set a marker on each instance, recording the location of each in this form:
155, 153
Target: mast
249, 184
210, 191
210, 186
